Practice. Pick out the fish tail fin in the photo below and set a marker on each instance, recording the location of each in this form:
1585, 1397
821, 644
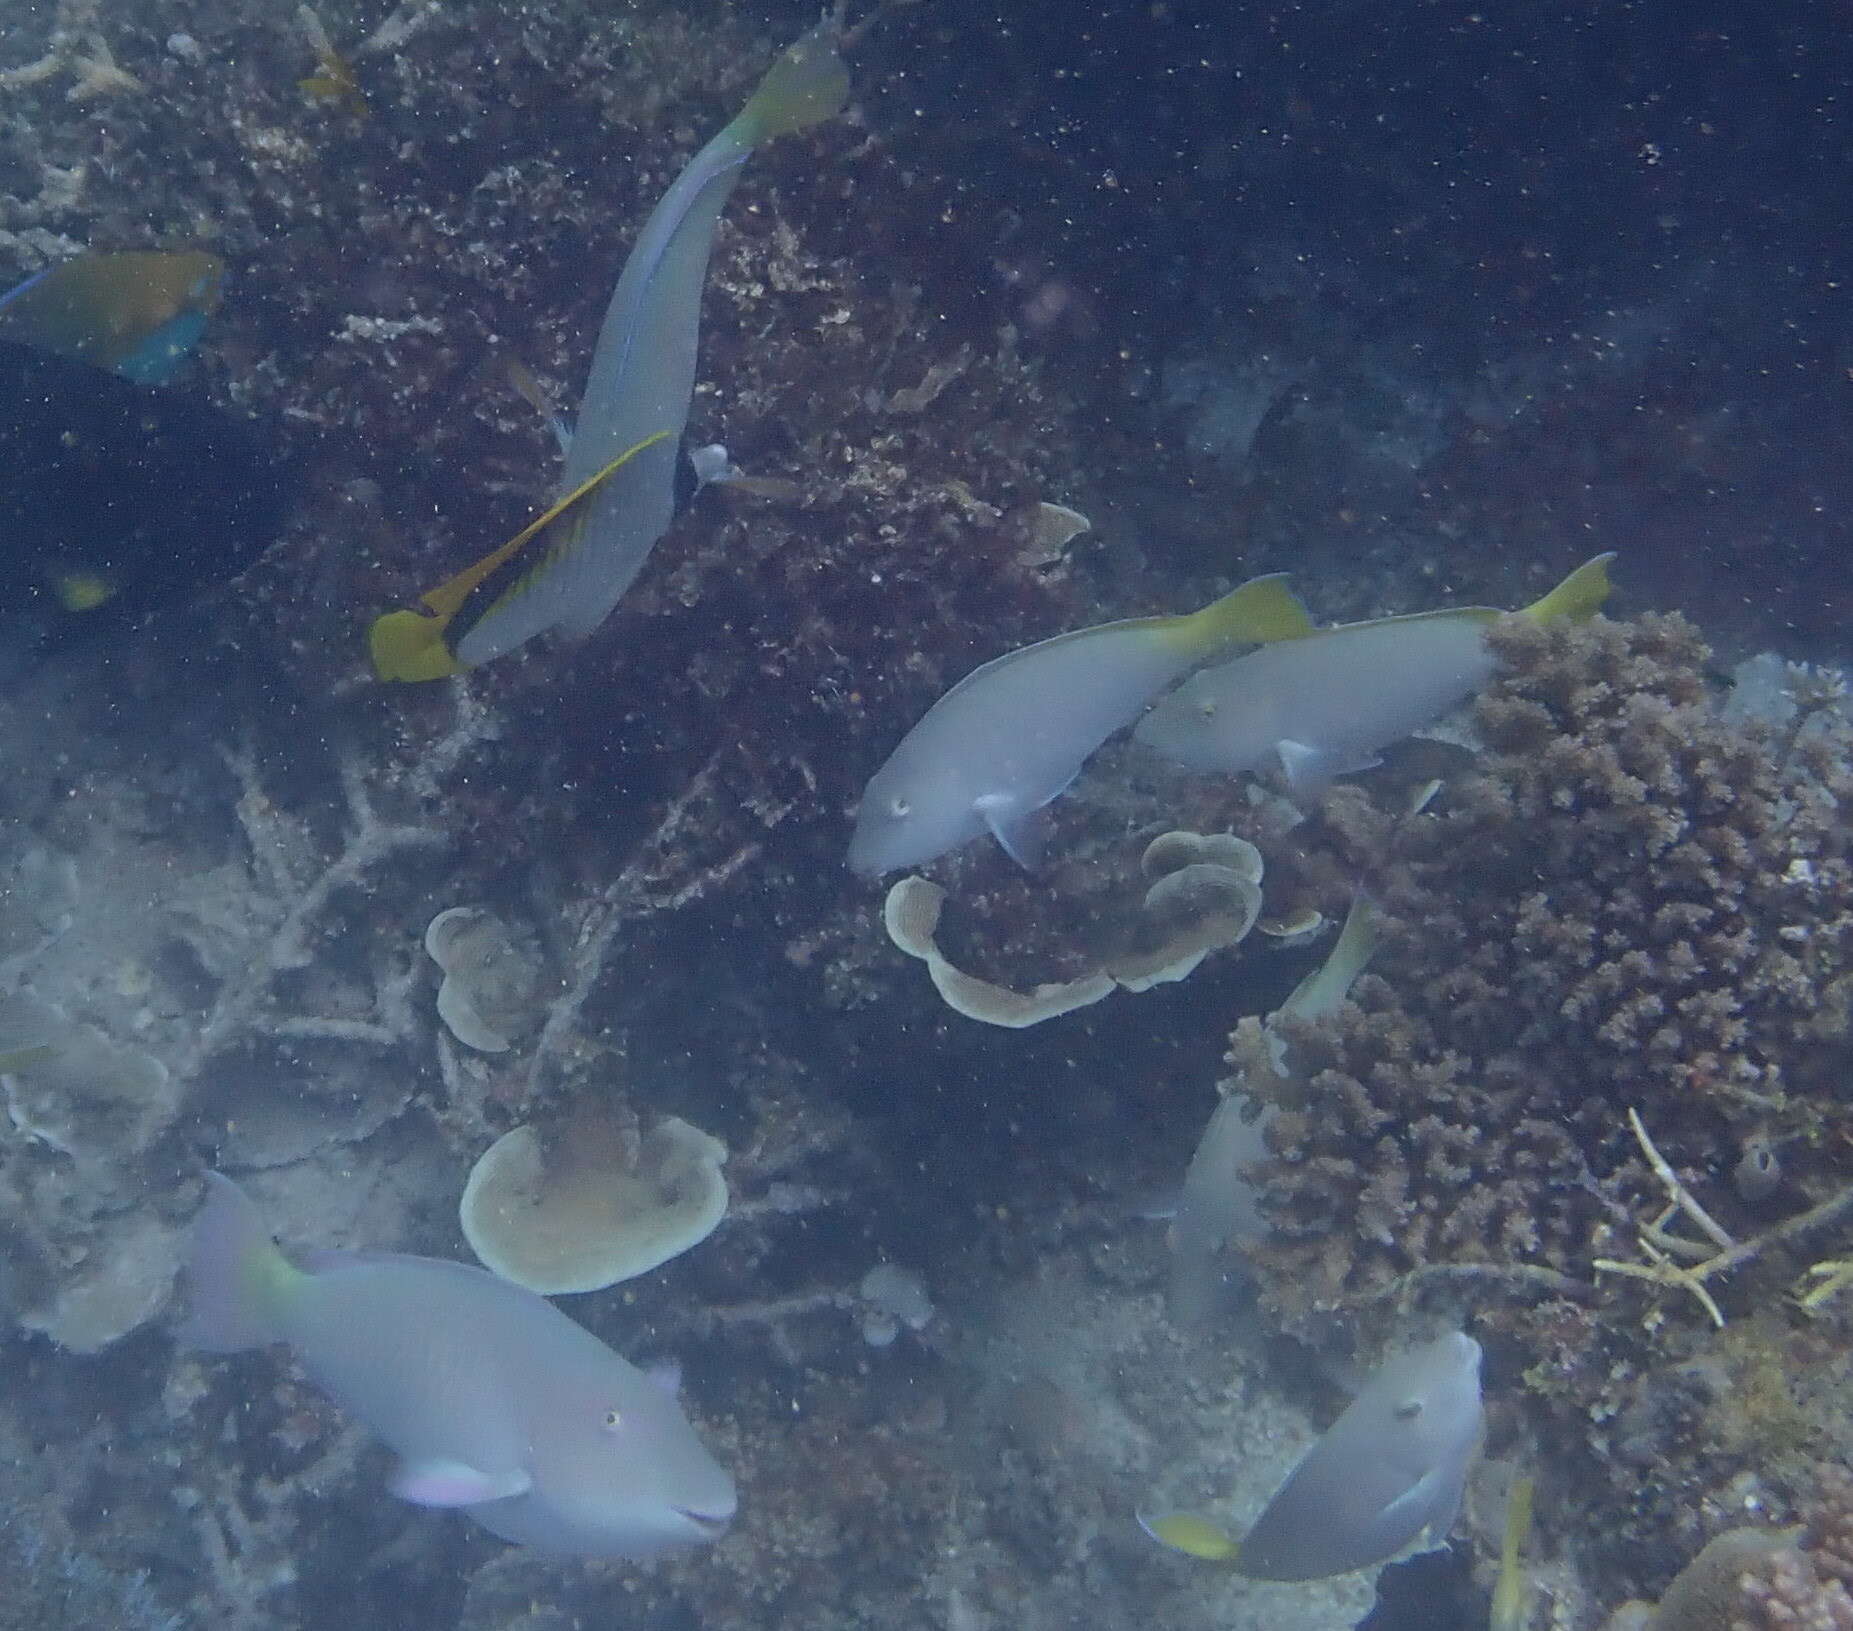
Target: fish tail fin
237, 1274
410, 646
1578, 598
1192, 1534
806, 85
1262, 611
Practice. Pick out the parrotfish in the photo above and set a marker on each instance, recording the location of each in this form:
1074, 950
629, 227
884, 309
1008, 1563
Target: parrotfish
494, 1400
137, 313
1385, 1479
118, 498
637, 396
1010, 737
1327, 704
1217, 1204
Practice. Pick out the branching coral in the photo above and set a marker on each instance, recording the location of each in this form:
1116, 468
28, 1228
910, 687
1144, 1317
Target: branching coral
1632, 904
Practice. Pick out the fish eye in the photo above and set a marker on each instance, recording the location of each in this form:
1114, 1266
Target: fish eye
899, 808
1409, 1409
613, 1421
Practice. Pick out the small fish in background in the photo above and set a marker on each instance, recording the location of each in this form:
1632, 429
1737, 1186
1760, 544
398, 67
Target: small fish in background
1326, 705
494, 1400
117, 499
334, 81
1385, 1479
638, 393
1217, 1204
137, 313
1011, 736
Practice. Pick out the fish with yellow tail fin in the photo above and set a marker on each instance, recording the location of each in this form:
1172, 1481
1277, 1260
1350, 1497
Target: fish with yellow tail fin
1328, 704
137, 313
1511, 1606
413, 646
334, 80
1217, 1206
494, 1401
1384, 1480
1010, 736
621, 465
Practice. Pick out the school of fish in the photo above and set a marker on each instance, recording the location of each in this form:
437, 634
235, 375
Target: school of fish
494, 1402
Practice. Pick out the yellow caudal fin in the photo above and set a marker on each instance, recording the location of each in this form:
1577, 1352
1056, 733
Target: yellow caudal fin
1193, 1535
1578, 598
806, 85
414, 646
1263, 610
1512, 1593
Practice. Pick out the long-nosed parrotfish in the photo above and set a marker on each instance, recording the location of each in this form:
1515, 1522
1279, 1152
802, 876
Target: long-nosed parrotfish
641, 382
1010, 736
1385, 1479
1327, 704
137, 313
1217, 1204
495, 1401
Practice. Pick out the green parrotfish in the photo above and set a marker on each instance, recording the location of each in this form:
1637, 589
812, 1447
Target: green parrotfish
494, 1400
137, 313
1010, 737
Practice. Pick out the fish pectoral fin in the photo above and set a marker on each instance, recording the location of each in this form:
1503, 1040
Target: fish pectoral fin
1192, 1534
1421, 1518
455, 1483
1310, 770
1023, 834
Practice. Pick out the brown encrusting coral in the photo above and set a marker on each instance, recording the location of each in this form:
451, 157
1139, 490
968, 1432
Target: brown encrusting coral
1632, 903
1591, 1087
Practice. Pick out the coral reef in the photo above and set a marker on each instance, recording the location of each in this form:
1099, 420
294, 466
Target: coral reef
1608, 975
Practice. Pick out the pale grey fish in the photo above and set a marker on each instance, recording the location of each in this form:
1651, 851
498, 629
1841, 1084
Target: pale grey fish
643, 371
495, 1401
1329, 704
1387, 1475
1218, 1204
1010, 737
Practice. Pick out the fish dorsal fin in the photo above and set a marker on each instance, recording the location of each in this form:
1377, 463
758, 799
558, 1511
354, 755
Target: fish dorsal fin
1261, 612
1578, 598
455, 1483
414, 646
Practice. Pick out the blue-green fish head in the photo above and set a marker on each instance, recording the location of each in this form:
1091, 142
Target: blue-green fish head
587, 1500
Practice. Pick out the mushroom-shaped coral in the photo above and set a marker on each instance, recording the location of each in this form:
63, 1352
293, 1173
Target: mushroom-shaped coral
911, 915
593, 1202
1204, 894
75, 1089
487, 995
